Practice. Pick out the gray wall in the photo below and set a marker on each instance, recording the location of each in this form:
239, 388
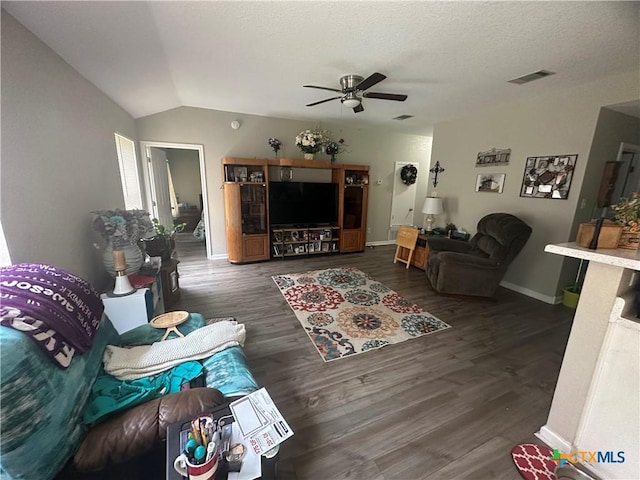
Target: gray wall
375, 147
185, 173
560, 123
59, 158
612, 129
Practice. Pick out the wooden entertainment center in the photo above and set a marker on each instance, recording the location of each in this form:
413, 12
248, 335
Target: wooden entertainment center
252, 238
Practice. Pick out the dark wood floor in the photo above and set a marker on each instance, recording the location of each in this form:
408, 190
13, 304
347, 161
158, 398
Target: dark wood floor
450, 405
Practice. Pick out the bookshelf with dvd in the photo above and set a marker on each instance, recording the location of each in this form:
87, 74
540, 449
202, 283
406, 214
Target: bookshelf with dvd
288, 241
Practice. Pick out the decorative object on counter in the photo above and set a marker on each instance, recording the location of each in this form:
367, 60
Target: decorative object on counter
163, 243
436, 169
548, 177
608, 237
310, 142
493, 157
123, 230
490, 182
431, 206
593, 244
409, 174
627, 213
276, 145
332, 149
450, 228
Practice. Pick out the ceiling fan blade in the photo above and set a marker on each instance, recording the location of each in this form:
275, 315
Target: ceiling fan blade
370, 81
322, 101
385, 96
323, 88
358, 109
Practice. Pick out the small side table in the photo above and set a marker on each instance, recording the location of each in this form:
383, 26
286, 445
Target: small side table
170, 321
170, 284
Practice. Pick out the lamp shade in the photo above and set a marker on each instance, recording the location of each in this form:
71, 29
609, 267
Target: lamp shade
350, 100
432, 206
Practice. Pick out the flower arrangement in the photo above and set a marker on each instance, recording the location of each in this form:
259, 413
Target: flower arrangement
122, 227
311, 141
275, 144
627, 212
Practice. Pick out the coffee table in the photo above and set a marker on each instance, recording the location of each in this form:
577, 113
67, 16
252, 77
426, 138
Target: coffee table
269, 465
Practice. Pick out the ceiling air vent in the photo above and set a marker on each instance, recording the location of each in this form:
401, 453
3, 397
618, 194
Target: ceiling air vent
402, 117
531, 77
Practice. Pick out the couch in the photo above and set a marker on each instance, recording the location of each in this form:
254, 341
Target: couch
476, 267
43, 435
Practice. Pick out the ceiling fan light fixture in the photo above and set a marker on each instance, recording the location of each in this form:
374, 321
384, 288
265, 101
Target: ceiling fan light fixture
350, 100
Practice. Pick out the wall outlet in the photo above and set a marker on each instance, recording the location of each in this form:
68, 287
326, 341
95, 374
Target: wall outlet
368, 229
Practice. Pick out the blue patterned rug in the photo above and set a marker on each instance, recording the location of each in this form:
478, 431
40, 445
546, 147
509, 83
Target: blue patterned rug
346, 312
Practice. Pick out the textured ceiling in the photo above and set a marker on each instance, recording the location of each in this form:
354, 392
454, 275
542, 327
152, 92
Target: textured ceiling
450, 58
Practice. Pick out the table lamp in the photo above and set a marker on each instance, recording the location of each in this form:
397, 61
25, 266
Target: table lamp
432, 206
122, 286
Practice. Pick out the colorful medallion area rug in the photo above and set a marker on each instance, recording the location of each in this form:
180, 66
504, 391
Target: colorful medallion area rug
346, 312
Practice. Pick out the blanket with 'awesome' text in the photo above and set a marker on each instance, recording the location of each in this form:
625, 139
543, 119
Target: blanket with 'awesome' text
57, 309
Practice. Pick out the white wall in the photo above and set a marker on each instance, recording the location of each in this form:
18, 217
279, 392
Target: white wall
211, 128
59, 158
559, 123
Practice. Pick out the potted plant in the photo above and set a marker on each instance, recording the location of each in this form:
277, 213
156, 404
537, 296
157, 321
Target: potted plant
163, 243
571, 295
627, 213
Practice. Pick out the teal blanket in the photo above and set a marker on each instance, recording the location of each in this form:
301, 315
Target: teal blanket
109, 395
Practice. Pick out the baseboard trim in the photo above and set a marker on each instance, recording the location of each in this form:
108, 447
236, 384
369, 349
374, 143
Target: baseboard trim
381, 242
553, 440
530, 293
219, 256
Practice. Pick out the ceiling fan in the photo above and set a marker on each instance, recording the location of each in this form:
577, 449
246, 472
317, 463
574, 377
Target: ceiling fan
353, 91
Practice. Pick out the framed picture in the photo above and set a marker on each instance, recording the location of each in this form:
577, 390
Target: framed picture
490, 182
493, 157
286, 174
240, 174
548, 177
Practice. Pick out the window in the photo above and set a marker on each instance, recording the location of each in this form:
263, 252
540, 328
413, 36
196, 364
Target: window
129, 172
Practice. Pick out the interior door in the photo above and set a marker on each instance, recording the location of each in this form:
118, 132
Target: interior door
403, 200
158, 173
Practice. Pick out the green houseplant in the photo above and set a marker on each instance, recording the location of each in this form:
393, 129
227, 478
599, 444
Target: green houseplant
163, 243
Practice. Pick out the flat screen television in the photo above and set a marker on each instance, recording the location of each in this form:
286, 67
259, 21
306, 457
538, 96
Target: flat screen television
303, 203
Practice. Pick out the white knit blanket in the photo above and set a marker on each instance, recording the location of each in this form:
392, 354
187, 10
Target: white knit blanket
143, 361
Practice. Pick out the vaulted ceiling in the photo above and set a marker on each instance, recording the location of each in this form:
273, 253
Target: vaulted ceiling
450, 58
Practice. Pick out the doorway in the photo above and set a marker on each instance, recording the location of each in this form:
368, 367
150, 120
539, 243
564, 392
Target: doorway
176, 188
628, 180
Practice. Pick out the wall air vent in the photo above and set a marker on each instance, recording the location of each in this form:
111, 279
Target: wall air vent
402, 117
531, 77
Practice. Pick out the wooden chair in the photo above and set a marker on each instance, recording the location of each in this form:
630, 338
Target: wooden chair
406, 239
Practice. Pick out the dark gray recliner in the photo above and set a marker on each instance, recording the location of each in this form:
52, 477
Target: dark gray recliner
477, 267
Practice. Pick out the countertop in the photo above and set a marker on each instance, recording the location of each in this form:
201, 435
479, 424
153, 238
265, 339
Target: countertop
618, 257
